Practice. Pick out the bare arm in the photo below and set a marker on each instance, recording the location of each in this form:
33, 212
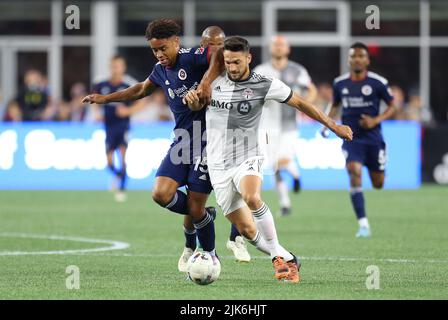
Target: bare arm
368, 122
313, 112
137, 91
214, 70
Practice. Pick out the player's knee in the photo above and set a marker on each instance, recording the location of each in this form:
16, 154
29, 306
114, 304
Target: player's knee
378, 184
253, 200
161, 197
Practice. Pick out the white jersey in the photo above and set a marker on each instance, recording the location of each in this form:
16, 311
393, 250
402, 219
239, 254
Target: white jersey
277, 117
233, 117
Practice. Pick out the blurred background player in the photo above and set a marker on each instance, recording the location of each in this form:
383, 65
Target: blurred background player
176, 70
116, 126
360, 92
213, 37
279, 122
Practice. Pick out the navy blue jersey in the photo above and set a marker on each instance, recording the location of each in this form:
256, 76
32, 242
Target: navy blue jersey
361, 97
176, 81
112, 121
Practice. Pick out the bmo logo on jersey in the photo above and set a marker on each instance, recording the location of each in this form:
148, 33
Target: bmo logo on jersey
182, 74
221, 105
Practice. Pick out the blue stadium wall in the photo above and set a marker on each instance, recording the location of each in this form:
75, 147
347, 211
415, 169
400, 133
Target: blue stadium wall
70, 156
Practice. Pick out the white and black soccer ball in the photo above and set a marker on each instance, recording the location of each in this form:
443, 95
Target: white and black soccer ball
202, 268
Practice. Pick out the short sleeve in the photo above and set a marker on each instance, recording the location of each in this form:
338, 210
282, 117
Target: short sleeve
385, 92
278, 91
154, 76
336, 94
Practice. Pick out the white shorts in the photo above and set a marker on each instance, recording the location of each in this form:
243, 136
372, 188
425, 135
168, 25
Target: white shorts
280, 145
226, 183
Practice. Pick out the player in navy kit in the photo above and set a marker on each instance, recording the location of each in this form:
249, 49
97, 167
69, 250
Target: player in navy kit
360, 93
177, 71
116, 127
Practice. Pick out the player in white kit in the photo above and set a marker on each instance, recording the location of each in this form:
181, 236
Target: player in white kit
280, 122
234, 156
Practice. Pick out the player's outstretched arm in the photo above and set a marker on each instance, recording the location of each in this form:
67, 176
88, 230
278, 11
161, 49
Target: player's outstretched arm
193, 101
137, 91
309, 109
214, 70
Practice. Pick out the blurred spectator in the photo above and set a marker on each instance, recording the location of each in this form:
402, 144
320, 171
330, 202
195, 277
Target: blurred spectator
74, 109
156, 109
399, 102
12, 112
33, 102
414, 108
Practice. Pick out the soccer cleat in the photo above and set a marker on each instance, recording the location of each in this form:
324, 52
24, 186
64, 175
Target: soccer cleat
281, 268
239, 249
120, 196
294, 268
183, 260
297, 185
363, 232
284, 211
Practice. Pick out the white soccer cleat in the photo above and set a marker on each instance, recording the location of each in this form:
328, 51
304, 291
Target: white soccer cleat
183, 260
239, 249
120, 196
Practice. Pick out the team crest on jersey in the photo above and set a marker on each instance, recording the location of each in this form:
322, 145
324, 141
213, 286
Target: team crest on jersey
171, 93
345, 91
105, 90
182, 74
199, 50
248, 93
366, 90
244, 107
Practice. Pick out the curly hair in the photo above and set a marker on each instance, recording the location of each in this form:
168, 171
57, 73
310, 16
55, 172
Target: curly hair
162, 29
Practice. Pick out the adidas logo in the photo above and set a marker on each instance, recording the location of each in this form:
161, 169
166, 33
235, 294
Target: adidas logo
218, 88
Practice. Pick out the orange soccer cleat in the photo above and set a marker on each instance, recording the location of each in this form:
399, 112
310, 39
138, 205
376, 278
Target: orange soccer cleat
294, 268
281, 268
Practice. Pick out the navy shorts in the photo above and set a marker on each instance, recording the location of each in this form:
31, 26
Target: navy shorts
373, 156
193, 175
116, 138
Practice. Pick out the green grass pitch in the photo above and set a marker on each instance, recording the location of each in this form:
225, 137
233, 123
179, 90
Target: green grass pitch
409, 246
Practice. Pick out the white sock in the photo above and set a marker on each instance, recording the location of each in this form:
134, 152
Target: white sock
363, 222
293, 169
265, 224
212, 253
282, 190
259, 242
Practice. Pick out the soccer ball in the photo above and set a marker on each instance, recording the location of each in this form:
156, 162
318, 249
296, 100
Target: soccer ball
203, 268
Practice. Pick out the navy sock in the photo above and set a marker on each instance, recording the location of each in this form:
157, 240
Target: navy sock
234, 233
179, 203
358, 202
113, 169
123, 179
190, 239
205, 229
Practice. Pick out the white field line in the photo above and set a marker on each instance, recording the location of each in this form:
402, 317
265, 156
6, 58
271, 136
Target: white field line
112, 244
118, 245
